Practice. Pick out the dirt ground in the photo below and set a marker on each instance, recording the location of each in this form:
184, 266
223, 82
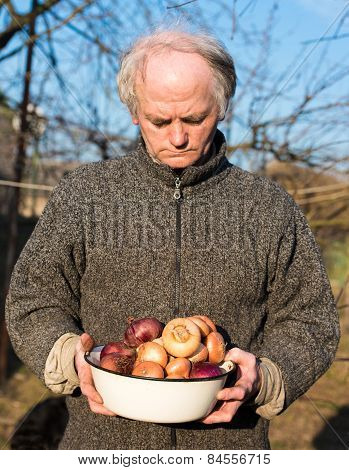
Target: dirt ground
320, 418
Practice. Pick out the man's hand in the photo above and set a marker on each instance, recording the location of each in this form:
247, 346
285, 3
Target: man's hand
247, 385
85, 375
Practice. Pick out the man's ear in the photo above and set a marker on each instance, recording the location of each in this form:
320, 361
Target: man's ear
225, 112
135, 120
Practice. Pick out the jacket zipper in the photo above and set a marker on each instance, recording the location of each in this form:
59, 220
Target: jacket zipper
178, 197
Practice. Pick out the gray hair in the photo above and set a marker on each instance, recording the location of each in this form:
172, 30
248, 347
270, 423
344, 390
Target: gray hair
208, 47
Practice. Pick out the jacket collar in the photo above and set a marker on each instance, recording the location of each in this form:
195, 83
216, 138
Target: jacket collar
190, 175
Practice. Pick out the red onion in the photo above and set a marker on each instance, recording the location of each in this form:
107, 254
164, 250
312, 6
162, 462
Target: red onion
143, 330
119, 347
201, 370
117, 362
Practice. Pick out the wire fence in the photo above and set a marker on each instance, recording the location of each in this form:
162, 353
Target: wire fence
334, 194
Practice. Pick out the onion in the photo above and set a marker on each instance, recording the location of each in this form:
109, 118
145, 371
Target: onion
175, 376
200, 355
201, 370
216, 347
181, 337
153, 352
142, 330
208, 321
149, 369
204, 328
179, 366
117, 362
119, 347
159, 341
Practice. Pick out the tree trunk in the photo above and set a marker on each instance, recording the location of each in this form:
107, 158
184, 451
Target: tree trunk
19, 165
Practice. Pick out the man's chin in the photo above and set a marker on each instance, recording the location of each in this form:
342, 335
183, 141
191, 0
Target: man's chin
178, 161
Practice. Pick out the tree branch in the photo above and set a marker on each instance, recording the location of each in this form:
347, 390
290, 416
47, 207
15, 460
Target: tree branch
19, 21
181, 4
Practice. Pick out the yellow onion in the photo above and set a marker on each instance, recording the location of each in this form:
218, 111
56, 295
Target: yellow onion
149, 369
207, 320
181, 337
153, 352
215, 346
179, 366
205, 329
200, 355
159, 341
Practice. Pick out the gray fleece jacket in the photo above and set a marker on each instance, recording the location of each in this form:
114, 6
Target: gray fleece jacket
129, 237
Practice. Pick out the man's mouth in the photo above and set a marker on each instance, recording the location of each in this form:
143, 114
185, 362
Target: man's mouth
180, 154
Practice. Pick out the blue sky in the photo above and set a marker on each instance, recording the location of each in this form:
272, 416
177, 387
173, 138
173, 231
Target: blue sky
296, 21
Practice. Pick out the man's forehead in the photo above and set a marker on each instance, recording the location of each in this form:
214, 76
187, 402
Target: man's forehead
173, 65
171, 82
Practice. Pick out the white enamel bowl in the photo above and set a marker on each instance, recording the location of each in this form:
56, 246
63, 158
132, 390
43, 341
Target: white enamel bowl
156, 400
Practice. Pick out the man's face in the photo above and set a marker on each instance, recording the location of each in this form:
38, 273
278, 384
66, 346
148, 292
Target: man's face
176, 109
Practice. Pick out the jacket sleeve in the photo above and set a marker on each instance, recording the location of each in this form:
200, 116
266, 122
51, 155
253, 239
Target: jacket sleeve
60, 373
43, 301
301, 331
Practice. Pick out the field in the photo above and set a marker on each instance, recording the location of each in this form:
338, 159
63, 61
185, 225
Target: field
320, 419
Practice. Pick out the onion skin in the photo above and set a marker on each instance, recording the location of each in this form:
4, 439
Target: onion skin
119, 347
142, 330
216, 347
200, 355
205, 329
117, 362
152, 352
179, 366
207, 320
181, 337
202, 370
149, 369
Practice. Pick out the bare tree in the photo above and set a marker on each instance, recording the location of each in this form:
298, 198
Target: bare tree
295, 114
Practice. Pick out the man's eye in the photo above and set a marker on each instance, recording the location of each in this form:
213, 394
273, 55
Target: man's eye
160, 123
194, 121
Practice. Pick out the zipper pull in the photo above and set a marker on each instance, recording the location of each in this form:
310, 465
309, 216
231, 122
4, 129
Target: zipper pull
177, 193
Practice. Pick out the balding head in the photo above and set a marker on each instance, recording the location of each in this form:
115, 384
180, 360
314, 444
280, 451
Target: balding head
134, 62
169, 76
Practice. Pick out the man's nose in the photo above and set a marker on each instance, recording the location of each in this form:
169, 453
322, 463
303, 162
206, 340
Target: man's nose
178, 135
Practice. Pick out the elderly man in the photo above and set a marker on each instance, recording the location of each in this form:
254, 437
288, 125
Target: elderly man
173, 229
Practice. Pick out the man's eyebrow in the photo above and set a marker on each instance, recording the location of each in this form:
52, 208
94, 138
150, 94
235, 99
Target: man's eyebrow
151, 117
195, 116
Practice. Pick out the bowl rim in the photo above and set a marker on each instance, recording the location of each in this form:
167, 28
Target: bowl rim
203, 379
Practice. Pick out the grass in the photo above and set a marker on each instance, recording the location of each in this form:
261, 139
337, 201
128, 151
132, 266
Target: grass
23, 391
301, 426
